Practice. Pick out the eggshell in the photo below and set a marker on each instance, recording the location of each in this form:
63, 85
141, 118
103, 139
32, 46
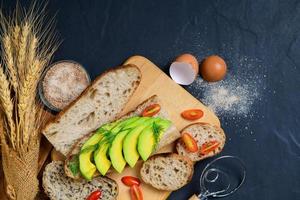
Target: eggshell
182, 73
213, 69
184, 69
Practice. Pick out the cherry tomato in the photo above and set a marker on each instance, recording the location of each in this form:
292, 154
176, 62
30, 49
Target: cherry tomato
94, 195
208, 147
151, 110
136, 193
130, 181
190, 142
192, 114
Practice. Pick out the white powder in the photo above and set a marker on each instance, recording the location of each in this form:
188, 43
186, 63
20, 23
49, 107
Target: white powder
234, 96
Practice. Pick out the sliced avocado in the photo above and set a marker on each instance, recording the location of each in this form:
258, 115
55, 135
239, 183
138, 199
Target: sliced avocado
115, 151
102, 162
130, 152
86, 167
150, 136
100, 156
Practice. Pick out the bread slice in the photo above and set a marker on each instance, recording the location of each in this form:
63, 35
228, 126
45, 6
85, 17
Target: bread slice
202, 133
59, 187
100, 103
171, 135
169, 172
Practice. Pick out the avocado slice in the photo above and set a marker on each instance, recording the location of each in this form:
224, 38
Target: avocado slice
130, 152
100, 156
86, 167
115, 151
102, 162
150, 136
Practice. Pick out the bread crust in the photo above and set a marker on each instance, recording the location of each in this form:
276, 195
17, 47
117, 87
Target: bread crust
170, 156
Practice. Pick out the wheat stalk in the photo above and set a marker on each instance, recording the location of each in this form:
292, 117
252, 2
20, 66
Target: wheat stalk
7, 106
27, 100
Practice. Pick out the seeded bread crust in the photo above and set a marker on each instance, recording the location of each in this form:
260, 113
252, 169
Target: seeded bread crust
59, 187
101, 102
167, 172
202, 133
171, 135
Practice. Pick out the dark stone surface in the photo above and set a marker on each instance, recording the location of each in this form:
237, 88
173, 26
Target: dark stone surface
102, 34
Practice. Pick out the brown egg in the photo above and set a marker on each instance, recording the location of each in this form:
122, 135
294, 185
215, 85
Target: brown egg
213, 68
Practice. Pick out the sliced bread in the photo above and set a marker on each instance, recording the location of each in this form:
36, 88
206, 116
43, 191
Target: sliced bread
202, 133
171, 135
100, 103
59, 187
167, 172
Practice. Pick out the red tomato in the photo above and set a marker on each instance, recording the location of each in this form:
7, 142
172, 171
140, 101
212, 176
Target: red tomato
94, 195
190, 142
151, 110
130, 181
208, 147
192, 114
136, 193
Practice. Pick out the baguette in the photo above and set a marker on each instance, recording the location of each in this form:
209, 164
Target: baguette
169, 172
202, 133
100, 103
171, 135
59, 187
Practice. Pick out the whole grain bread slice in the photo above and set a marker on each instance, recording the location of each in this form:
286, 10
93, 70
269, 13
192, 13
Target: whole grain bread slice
167, 172
202, 133
171, 134
100, 103
59, 187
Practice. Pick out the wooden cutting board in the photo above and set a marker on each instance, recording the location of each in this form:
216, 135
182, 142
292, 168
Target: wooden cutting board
174, 99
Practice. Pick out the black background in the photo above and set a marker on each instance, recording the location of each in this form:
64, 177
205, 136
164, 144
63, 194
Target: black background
102, 34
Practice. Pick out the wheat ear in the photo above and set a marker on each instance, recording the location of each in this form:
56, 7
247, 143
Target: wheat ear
22, 50
27, 100
9, 60
7, 106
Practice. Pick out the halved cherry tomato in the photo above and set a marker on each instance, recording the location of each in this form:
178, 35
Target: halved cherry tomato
190, 142
94, 195
151, 110
208, 147
130, 180
192, 114
136, 193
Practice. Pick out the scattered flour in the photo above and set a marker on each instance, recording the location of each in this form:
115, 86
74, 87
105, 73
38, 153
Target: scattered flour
234, 96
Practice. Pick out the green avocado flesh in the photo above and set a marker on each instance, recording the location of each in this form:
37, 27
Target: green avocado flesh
102, 162
130, 152
120, 142
115, 152
150, 136
100, 156
86, 167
